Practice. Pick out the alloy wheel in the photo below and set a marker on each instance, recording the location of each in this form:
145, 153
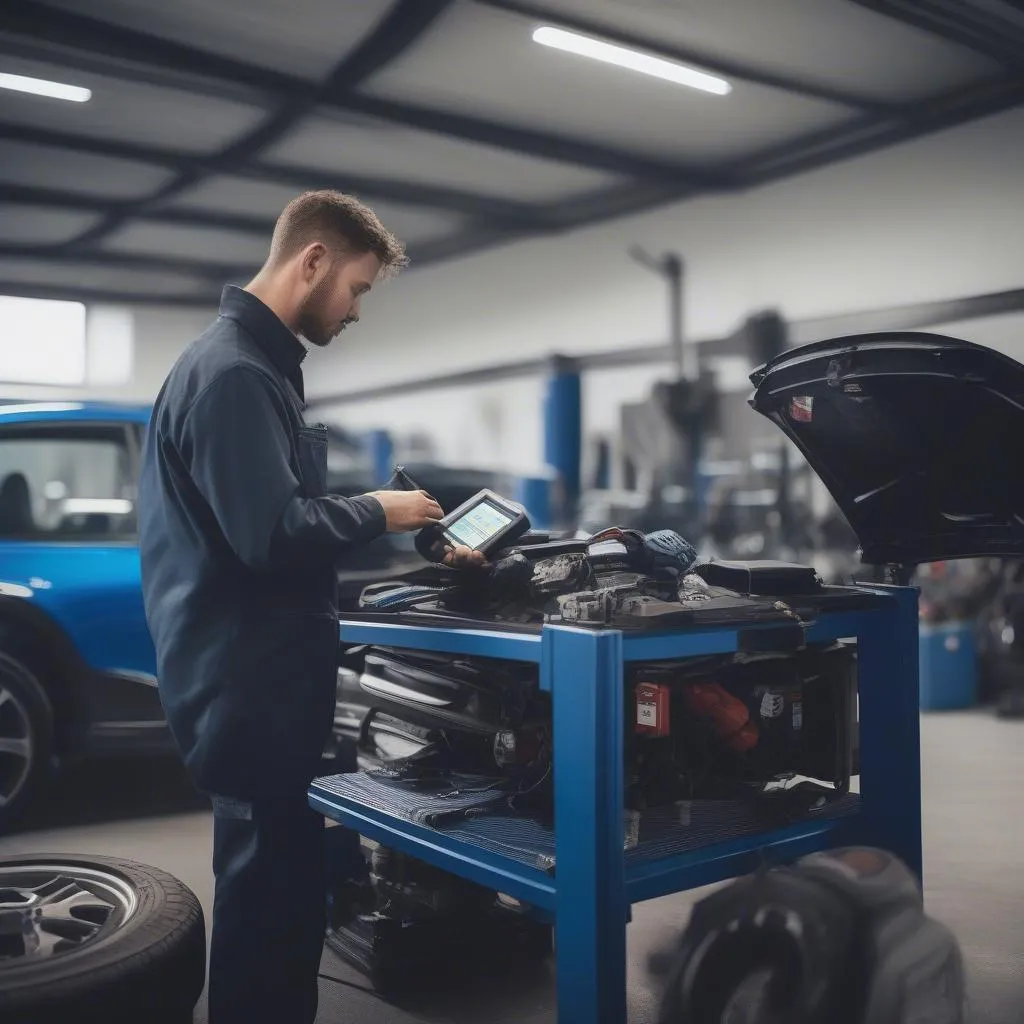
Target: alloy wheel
48, 910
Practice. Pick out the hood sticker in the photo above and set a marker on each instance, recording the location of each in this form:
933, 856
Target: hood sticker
801, 409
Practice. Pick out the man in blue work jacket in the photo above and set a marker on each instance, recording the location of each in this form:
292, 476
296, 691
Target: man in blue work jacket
240, 545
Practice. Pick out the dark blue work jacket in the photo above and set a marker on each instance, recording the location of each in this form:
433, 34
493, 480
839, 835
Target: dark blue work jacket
240, 546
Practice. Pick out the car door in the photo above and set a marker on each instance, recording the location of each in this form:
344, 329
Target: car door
68, 545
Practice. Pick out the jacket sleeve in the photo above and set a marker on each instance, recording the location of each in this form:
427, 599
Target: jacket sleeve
235, 441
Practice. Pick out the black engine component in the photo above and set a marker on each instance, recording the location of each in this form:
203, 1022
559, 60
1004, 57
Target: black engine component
733, 724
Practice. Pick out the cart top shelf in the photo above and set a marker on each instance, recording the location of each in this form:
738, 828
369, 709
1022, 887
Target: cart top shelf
837, 613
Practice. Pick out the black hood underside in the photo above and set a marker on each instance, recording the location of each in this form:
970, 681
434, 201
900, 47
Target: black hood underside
918, 437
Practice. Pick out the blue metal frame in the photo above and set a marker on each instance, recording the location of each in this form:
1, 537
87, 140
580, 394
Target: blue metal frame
594, 887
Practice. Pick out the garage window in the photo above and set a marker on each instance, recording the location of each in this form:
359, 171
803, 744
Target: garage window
43, 341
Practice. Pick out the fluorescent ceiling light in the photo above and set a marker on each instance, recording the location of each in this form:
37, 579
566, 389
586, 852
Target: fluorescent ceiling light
41, 87
634, 60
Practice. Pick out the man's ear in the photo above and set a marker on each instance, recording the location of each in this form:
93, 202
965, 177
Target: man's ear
312, 259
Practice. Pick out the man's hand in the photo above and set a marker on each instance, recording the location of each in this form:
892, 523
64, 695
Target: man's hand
462, 557
406, 511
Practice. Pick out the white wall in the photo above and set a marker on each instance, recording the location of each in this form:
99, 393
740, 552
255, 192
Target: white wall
933, 219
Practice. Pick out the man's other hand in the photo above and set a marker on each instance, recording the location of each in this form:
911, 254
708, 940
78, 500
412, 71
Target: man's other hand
406, 511
462, 557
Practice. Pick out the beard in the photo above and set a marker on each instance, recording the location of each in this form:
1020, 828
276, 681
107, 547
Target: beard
312, 320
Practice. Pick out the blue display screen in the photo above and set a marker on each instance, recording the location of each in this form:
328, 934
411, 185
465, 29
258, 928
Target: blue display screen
479, 525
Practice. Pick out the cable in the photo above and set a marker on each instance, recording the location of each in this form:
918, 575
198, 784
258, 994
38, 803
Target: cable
351, 984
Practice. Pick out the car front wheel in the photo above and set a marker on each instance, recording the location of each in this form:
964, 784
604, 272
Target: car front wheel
26, 738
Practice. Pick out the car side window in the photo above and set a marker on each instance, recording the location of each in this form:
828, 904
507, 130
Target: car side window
62, 483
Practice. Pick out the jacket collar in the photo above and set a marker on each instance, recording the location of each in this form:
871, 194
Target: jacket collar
284, 350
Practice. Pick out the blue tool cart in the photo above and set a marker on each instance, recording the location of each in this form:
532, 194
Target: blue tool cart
593, 876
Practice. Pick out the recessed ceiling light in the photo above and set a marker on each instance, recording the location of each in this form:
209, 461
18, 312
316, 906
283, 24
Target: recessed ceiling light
41, 87
634, 60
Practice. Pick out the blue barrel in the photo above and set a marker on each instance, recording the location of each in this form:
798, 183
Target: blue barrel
949, 666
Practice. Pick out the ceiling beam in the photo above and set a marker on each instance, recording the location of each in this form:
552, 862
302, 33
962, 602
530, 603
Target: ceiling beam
396, 32
76, 40
111, 296
86, 43
31, 195
855, 137
865, 135
300, 178
527, 141
733, 69
971, 26
214, 270
228, 271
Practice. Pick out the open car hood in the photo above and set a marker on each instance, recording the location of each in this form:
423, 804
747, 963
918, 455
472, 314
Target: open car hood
919, 438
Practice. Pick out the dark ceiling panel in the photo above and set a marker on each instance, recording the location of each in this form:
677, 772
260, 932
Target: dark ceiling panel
78, 275
483, 64
563, 16
826, 48
113, 296
126, 111
263, 201
397, 31
77, 40
30, 224
203, 118
986, 26
370, 147
53, 167
228, 247
298, 178
304, 38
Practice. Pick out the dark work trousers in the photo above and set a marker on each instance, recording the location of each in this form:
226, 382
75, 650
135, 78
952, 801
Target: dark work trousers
269, 911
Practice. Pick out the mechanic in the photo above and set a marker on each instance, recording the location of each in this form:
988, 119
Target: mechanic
240, 547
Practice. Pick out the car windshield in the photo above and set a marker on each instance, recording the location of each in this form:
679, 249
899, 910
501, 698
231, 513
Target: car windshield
66, 484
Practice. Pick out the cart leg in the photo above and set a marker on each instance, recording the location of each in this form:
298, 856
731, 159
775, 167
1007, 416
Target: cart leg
890, 733
585, 673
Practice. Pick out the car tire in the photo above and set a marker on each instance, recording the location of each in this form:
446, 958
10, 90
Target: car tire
111, 940
26, 739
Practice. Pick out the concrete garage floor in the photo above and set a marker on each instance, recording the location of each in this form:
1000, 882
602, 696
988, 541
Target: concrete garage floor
974, 859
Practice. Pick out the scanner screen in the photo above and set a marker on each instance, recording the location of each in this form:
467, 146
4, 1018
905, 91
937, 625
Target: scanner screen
479, 525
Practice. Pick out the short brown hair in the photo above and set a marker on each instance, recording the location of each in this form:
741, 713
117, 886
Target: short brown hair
341, 222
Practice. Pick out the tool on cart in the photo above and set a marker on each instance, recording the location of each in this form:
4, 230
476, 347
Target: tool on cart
485, 523
841, 937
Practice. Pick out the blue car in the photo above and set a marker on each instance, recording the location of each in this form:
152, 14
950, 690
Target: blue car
77, 665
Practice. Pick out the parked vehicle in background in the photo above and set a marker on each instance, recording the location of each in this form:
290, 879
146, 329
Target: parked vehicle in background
77, 665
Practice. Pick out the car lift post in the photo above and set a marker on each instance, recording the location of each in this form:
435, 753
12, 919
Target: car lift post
563, 437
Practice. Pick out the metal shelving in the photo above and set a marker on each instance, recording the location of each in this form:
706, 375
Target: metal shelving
596, 880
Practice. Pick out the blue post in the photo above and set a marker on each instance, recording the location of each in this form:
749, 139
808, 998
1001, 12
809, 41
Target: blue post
890, 756
563, 433
585, 670
382, 450
534, 494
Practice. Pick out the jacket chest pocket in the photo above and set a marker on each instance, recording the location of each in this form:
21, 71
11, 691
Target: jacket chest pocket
313, 459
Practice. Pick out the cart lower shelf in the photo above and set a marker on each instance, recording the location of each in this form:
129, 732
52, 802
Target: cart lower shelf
666, 850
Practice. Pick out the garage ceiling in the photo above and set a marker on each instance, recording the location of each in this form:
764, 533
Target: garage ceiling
443, 114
